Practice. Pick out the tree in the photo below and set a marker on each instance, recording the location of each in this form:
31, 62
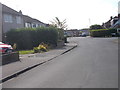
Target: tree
59, 24
96, 26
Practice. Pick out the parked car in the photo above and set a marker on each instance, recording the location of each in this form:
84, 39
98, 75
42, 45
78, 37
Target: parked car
83, 35
5, 48
113, 34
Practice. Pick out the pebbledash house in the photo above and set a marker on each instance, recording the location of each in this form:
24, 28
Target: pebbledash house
11, 19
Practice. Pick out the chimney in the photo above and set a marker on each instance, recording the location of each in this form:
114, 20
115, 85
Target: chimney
20, 12
111, 18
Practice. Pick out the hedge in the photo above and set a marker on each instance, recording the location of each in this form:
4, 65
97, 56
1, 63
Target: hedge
27, 38
102, 32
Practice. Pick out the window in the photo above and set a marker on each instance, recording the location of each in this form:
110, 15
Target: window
18, 20
27, 25
37, 25
8, 18
33, 25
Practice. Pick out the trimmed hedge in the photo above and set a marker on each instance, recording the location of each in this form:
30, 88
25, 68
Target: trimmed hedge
27, 38
102, 32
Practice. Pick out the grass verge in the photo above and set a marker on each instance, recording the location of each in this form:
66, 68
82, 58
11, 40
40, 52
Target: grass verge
26, 52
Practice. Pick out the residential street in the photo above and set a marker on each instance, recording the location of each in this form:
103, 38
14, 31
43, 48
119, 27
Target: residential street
92, 64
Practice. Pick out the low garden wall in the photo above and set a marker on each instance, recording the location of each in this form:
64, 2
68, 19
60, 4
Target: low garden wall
60, 44
9, 58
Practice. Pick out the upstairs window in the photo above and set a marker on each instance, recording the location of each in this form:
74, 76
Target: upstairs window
8, 18
18, 20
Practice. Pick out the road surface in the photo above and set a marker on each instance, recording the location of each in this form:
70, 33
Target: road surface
93, 64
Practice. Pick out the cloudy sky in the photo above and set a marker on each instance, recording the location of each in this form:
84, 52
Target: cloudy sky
78, 13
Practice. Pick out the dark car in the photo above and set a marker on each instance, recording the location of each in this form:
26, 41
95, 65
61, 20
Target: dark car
83, 35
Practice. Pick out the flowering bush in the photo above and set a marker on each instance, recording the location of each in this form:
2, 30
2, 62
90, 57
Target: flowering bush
41, 48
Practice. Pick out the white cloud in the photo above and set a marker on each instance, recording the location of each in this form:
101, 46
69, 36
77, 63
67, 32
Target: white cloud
77, 12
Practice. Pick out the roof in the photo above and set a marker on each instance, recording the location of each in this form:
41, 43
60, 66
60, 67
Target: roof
30, 19
116, 24
7, 9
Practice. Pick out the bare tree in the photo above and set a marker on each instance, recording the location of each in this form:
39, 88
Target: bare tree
59, 24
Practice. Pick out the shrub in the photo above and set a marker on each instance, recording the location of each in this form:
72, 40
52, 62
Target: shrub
96, 27
35, 49
41, 48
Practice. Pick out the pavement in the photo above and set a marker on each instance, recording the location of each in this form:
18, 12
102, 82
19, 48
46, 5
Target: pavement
30, 61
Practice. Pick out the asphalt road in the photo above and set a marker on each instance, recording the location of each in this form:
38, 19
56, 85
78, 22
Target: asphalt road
93, 64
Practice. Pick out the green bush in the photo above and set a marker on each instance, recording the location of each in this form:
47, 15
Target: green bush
27, 38
102, 32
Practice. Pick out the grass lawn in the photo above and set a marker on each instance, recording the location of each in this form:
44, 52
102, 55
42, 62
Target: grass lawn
26, 52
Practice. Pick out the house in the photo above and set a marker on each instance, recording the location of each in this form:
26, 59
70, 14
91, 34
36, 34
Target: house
116, 24
85, 31
113, 22
32, 23
72, 33
11, 19
110, 22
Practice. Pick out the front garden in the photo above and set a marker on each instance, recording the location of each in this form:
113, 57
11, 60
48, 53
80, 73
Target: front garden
33, 40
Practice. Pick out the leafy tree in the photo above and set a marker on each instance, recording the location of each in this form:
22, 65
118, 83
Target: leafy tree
96, 26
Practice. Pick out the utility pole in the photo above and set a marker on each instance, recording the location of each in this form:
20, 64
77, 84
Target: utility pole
89, 22
89, 26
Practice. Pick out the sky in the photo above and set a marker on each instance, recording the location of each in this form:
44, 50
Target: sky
78, 13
